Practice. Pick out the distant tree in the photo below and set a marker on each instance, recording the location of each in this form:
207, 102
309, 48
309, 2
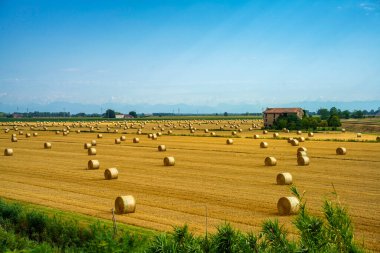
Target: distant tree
345, 114
334, 111
357, 114
313, 122
133, 114
81, 114
225, 114
282, 123
323, 113
109, 114
290, 122
305, 123
323, 123
334, 121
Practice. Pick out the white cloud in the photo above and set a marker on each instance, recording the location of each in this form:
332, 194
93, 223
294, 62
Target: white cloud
369, 7
70, 70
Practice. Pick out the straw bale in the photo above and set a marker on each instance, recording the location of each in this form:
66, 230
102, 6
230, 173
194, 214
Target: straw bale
125, 204
288, 205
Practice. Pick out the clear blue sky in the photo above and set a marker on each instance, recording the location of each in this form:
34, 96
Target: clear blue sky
192, 52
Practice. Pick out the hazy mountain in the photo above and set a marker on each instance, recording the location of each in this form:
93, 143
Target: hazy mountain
183, 108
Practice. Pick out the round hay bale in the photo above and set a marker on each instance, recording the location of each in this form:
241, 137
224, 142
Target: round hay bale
299, 132
92, 151
290, 139
263, 144
301, 153
311, 134
57, 132
294, 142
87, 145
47, 145
14, 139
378, 138
275, 135
169, 161
213, 134
93, 143
111, 173
256, 136
359, 135
123, 138
8, 152
284, 178
154, 136
136, 140
93, 165
302, 149
192, 131
27, 135
234, 133
265, 131
240, 130
270, 161
21, 133
343, 130
65, 133
341, 151
170, 132
117, 141
303, 160
78, 131
206, 130
35, 134
229, 141
161, 148
301, 139
100, 136
288, 205
125, 204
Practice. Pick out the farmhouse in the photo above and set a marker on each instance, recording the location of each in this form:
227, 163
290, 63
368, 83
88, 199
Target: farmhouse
123, 116
271, 114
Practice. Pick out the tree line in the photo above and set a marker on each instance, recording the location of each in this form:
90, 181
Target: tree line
323, 118
346, 114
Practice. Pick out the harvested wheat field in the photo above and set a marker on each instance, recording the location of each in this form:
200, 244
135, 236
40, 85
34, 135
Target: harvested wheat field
231, 180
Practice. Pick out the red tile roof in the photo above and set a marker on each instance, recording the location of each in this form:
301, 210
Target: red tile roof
283, 110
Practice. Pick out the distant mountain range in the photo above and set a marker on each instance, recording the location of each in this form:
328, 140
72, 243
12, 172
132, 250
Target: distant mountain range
74, 108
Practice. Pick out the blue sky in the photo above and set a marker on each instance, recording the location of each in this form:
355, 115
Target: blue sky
191, 52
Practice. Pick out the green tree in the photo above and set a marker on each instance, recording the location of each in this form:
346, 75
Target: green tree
357, 114
305, 123
334, 111
323, 123
334, 121
109, 114
323, 113
133, 114
345, 114
225, 114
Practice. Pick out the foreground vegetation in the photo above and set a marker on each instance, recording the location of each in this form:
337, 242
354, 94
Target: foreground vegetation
27, 230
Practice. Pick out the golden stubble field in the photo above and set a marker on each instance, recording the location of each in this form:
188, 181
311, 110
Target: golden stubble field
231, 180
